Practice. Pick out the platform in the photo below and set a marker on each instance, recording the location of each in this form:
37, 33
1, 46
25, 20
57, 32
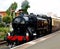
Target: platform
51, 41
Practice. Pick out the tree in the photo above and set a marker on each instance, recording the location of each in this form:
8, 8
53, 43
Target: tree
25, 6
12, 8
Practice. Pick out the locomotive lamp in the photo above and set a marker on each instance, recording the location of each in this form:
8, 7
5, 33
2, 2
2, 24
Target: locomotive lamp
23, 22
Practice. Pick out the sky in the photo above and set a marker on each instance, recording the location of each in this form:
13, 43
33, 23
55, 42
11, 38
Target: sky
36, 6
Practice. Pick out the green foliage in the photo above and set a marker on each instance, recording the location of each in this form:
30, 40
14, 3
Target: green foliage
25, 6
3, 32
4, 29
0, 18
8, 12
13, 6
2, 25
7, 19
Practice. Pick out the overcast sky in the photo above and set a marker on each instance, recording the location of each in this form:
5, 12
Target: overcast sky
37, 6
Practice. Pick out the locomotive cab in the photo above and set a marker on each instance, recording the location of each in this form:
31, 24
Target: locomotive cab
49, 23
41, 24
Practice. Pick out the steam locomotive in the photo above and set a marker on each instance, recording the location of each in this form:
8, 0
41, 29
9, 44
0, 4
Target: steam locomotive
27, 27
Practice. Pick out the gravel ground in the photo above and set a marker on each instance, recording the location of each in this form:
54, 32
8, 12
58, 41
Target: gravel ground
4, 47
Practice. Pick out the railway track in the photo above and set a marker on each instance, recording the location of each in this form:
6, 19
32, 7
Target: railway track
3, 45
2, 42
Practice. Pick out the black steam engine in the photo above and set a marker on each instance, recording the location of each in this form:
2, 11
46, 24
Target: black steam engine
27, 27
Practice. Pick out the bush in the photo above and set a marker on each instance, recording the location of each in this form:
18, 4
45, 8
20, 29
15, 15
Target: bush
7, 19
3, 32
2, 25
4, 29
